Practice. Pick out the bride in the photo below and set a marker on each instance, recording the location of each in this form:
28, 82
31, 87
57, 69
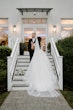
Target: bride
40, 77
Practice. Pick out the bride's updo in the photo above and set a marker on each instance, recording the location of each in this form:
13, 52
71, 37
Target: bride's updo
39, 40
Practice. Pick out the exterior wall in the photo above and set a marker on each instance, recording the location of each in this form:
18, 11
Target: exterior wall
61, 9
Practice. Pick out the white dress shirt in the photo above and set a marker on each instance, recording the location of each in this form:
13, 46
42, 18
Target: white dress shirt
33, 39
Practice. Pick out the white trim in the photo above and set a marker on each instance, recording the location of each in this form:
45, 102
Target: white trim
3, 25
66, 25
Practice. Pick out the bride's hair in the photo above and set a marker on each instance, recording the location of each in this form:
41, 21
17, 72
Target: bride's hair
39, 40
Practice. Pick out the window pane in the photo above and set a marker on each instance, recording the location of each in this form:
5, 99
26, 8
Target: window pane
3, 35
66, 21
3, 21
67, 27
34, 21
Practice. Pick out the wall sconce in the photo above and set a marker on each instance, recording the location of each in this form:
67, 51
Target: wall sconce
54, 28
34, 13
14, 28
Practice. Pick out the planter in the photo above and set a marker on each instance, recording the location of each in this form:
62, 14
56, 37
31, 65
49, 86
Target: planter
22, 48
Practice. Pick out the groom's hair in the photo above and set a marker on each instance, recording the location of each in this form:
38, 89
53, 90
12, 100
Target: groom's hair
34, 33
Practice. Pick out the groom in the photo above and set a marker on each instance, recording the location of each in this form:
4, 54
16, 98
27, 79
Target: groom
31, 45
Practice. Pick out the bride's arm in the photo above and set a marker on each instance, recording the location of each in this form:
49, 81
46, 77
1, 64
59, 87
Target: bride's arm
42, 46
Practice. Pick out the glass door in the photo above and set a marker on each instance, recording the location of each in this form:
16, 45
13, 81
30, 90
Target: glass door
41, 31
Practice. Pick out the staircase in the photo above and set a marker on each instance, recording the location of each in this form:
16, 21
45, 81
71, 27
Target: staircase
20, 69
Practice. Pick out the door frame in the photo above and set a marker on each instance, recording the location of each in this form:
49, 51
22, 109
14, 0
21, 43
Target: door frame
35, 26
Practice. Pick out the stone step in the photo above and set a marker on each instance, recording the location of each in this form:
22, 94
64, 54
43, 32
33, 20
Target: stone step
53, 66
54, 69
18, 77
48, 53
23, 61
51, 61
26, 53
19, 88
19, 70
18, 82
18, 74
27, 60
24, 56
19, 85
21, 67
50, 57
22, 64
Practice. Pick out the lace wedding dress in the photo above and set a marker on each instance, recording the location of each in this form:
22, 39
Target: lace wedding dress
40, 76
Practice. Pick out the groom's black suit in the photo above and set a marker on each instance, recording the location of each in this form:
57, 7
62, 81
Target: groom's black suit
31, 52
29, 48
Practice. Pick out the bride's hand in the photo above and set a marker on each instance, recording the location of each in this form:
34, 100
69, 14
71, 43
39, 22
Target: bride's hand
32, 46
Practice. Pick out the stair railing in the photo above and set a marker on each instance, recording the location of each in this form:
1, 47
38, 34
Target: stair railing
11, 62
58, 60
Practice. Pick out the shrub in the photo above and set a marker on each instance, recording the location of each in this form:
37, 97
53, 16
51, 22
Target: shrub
65, 48
4, 52
3, 65
3, 80
22, 48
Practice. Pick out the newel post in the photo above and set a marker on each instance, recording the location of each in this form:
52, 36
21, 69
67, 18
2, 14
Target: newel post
8, 74
61, 72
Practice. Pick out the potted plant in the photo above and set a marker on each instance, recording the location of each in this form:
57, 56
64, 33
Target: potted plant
49, 47
22, 48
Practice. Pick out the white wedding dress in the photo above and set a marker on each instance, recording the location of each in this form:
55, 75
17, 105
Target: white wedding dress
40, 77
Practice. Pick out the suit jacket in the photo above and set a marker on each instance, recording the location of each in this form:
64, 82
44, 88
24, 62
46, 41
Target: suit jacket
29, 45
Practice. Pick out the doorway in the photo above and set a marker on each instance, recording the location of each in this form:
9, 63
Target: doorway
38, 25
41, 31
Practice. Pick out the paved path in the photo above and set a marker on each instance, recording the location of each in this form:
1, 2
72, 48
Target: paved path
20, 100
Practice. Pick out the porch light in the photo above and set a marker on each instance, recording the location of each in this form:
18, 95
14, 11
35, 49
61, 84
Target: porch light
14, 28
34, 13
54, 28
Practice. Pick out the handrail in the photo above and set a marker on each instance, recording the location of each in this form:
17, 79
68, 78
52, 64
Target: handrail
56, 55
58, 60
14, 49
11, 62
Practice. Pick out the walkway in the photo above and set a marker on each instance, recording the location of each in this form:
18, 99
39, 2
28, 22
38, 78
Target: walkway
19, 100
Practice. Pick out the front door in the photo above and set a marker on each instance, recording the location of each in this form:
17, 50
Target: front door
40, 29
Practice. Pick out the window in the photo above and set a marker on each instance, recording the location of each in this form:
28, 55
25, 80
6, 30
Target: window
66, 21
34, 21
67, 27
3, 32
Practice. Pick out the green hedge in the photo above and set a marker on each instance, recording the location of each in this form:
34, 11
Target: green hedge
3, 64
3, 80
4, 52
65, 48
